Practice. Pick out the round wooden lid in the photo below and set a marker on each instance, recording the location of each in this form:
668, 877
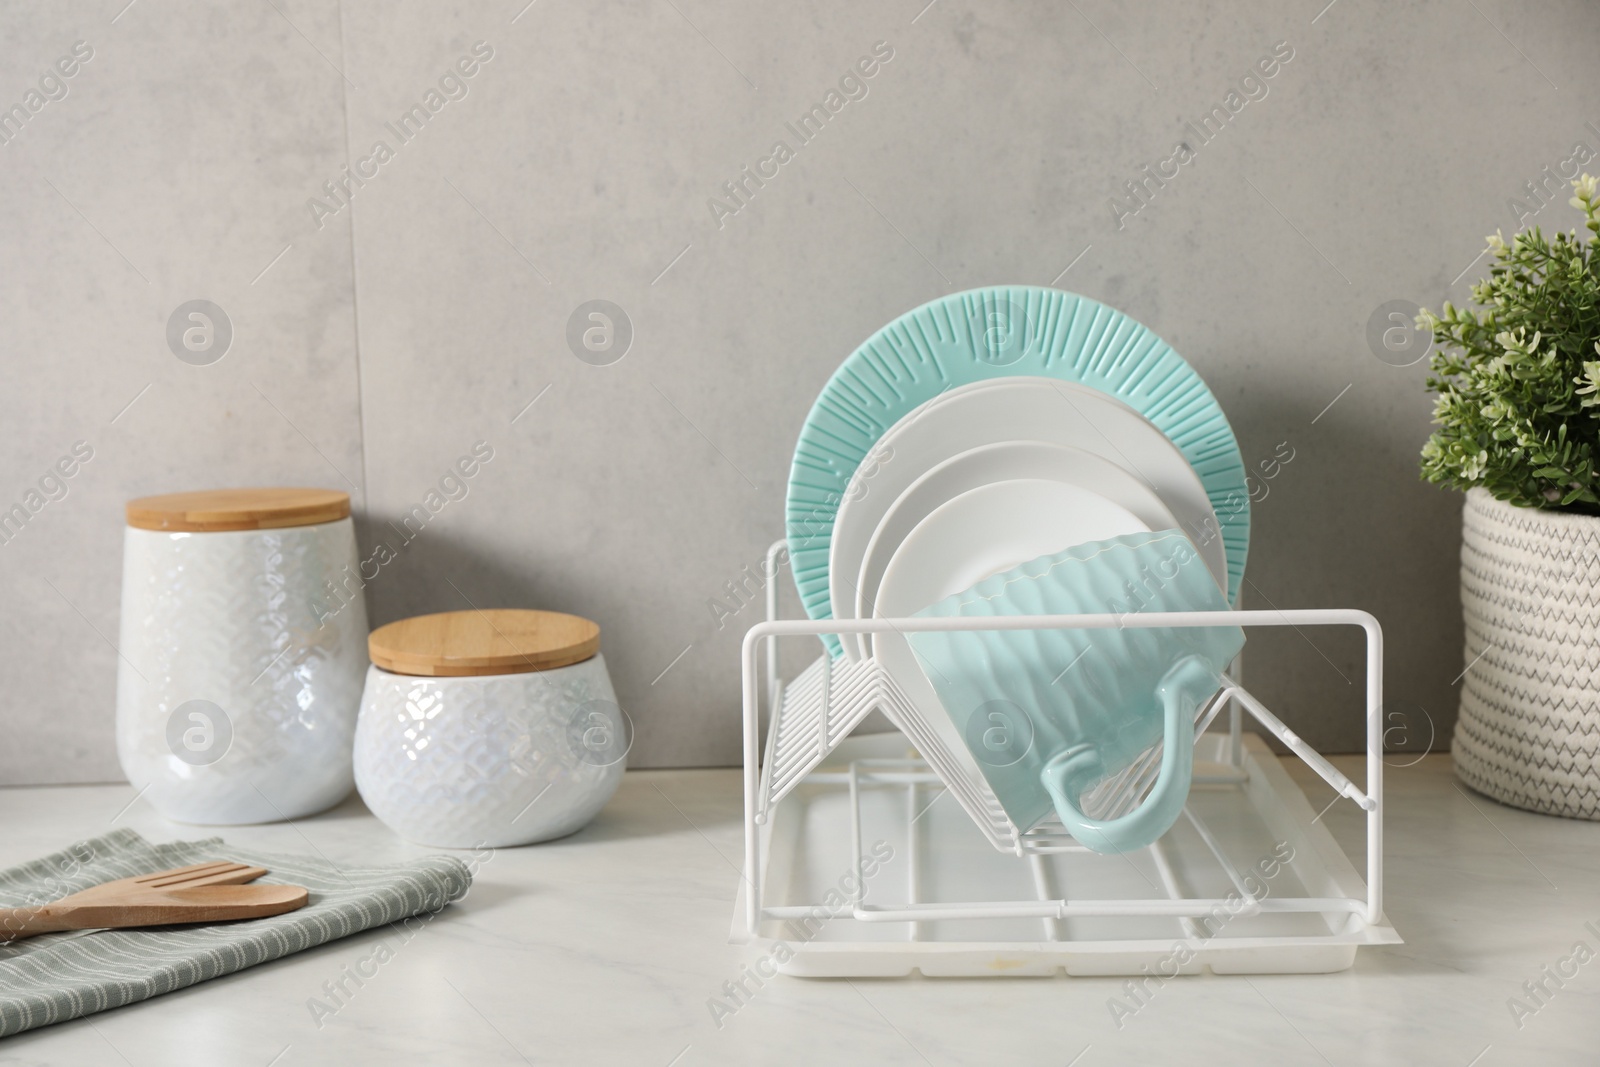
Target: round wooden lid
457, 644
211, 510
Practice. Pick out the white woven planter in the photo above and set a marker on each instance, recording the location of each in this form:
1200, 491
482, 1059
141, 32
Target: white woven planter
1529, 730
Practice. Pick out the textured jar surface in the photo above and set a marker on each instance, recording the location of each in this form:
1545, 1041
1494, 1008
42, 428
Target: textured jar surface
494, 761
241, 670
1529, 730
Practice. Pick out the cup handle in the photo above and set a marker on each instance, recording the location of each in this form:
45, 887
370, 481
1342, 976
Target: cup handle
1190, 681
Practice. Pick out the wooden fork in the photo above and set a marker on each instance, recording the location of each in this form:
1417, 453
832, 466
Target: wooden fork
200, 893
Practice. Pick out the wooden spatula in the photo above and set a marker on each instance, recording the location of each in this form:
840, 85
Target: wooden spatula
201, 893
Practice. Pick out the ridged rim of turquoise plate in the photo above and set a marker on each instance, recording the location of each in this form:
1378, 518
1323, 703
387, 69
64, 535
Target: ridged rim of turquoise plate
956, 340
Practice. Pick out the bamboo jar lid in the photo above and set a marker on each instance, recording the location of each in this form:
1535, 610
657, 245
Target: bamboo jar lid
456, 644
214, 510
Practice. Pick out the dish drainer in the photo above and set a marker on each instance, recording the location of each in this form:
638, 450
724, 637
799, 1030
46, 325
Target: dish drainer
1249, 880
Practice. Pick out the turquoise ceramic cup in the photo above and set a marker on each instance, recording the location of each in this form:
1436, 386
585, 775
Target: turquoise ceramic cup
1048, 714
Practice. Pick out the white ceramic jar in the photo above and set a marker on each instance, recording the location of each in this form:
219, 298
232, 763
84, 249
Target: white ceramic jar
243, 649
488, 728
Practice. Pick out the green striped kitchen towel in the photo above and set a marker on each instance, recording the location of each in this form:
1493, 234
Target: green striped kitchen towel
55, 977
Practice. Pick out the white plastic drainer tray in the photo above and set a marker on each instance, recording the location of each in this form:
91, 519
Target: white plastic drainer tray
1246, 883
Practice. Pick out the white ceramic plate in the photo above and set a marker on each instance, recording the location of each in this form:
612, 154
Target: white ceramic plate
992, 528
1011, 409
979, 533
1003, 461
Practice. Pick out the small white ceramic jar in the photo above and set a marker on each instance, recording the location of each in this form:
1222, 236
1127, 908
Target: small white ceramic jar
243, 649
488, 728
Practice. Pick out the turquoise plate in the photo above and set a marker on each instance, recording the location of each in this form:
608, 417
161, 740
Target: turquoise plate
993, 333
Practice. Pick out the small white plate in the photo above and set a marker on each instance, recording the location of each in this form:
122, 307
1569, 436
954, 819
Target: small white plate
1014, 409
1006, 460
992, 528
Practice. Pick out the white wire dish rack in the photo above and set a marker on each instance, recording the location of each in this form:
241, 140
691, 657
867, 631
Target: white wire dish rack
857, 864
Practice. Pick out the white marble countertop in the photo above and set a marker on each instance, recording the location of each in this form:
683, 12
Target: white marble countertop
606, 947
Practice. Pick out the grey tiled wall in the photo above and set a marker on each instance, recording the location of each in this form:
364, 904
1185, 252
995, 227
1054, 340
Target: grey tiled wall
380, 330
